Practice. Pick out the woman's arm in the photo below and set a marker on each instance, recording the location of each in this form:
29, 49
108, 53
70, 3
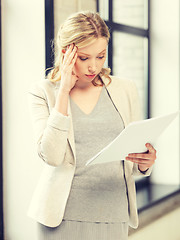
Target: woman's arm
50, 129
68, 79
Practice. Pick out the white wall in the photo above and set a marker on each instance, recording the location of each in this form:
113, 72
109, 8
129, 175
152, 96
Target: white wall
23, 59
23, 56
165, 85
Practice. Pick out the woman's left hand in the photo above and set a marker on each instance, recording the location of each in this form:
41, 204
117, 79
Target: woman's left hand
144, 160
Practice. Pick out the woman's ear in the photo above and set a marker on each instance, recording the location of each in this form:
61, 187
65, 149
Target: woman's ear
64, 50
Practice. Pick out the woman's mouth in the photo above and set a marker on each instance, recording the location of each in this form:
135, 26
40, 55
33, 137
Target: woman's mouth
90, 76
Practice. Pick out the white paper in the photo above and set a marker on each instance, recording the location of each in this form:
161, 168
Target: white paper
133, 139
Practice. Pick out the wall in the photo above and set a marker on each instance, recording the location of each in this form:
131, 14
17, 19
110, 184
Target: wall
165, 86
23, 57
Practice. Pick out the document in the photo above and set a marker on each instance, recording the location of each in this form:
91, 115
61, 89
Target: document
133, 139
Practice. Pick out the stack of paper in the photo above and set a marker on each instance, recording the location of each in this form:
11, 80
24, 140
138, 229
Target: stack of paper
133, 139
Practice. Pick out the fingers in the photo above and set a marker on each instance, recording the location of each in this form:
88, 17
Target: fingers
150, 148
144, 159
70, 54
67, 52
142, 163
139, 155
140, 160
74, 59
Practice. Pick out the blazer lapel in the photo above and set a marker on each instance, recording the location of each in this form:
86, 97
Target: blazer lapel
71, 132
115, 96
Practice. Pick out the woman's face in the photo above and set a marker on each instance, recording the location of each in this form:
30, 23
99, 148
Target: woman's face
90, 60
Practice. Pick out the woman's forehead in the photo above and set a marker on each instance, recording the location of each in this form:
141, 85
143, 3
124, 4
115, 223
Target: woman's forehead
97, 47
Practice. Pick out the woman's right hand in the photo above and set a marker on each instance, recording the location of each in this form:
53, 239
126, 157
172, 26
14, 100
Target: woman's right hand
68, 78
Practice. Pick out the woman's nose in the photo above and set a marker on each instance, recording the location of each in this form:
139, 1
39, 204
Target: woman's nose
92, 67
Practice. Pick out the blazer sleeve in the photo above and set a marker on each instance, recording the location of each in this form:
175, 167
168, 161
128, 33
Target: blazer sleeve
136, 114
50, 128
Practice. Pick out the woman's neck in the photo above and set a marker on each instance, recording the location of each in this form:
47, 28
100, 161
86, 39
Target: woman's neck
86, 85
83, 85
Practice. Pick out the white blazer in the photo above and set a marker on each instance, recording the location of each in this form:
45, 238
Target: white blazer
55, 145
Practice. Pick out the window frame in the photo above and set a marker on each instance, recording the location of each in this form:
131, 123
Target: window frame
113, 26
49, 33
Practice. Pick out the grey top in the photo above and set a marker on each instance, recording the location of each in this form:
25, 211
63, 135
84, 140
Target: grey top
98, 192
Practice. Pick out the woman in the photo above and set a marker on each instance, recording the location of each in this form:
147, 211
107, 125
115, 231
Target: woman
76, 112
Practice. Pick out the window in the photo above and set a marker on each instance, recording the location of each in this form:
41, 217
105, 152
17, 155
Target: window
128, 55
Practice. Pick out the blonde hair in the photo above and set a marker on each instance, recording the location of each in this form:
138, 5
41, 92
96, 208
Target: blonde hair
82, 29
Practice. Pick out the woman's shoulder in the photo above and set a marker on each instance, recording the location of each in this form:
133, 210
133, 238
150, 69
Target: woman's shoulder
119, 80
42, 86
123, 87
126, 84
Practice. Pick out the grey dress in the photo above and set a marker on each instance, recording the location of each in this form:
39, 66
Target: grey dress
97, 207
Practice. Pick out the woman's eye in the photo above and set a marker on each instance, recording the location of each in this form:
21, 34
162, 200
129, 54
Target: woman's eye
83, 59
101, 57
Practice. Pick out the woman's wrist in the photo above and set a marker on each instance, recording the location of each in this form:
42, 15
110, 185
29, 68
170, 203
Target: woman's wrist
144, 170
61, 104
64, 91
